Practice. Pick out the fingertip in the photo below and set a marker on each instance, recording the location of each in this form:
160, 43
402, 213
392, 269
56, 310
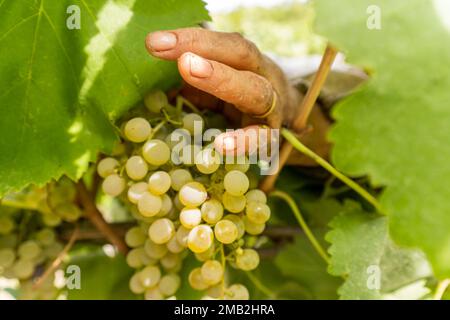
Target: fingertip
225, 143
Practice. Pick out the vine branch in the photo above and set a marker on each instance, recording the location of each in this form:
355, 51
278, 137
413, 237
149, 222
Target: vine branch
96, 218
299, 124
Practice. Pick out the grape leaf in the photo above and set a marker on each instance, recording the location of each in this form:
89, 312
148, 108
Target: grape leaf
362, 252
395, 128
62, 87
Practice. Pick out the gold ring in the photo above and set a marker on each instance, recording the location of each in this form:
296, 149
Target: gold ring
270, 110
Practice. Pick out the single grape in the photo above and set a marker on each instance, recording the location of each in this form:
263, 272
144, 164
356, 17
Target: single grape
51, 219
159, 182
193, 123
179, 177
257, 212
196, 280
166, 206
200, 238
253, 228
149, 204
237, 292
241, 163
237, 222
212, 211
137, 258
6, 225
174, 246
169, 284
135, 284
192, 194
182, 236
206, 255
7, 257
29, 250
234, 204
155, 101
256, 195
135, 237
212, 272
69, 211
136, 191
46, 236
113, 185
236, 183
190, 217
154, 250
23, 269
149, 276
161, 231
107, 166
156, 152
153, 294
225, 231
170, 260
247, 260
136, 168
216, 292
137, 130
207, 161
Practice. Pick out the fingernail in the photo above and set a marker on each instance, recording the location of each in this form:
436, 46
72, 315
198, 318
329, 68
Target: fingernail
199, 67
162, 41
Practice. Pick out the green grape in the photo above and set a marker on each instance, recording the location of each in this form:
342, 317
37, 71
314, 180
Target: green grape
136, 285
135, 237
193, 123
51, 219
113, 185
196, 280
190, 217
52, 251
200, 238
159, 182
236, 183
161, 231
154, 250
137, 130
170, 260
7, 257
23, 269
6, 225
257, 212
137, 258
212, 272
179, 177
192, 194
207, 161
107, 166
174, 246
256, 195
153, 294
166, 206
155, 101
206, 255
136, 168
149, 276
241, 163
247, 260
182, 236
156, 152
237, 292
253, 228
149, 205
238, 223
216, 292
234, 204
212, 211
29, 250
46, 236
136, 191
69, 212
169, 284
225, 231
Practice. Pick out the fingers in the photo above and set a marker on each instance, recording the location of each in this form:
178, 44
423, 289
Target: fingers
228, 48
249, 92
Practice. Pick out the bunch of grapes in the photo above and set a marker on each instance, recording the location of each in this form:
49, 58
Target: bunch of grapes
184, 202
26, 249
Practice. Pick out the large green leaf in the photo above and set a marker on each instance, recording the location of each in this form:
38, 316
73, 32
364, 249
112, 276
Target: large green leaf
396, 128
373, 266
61, 88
